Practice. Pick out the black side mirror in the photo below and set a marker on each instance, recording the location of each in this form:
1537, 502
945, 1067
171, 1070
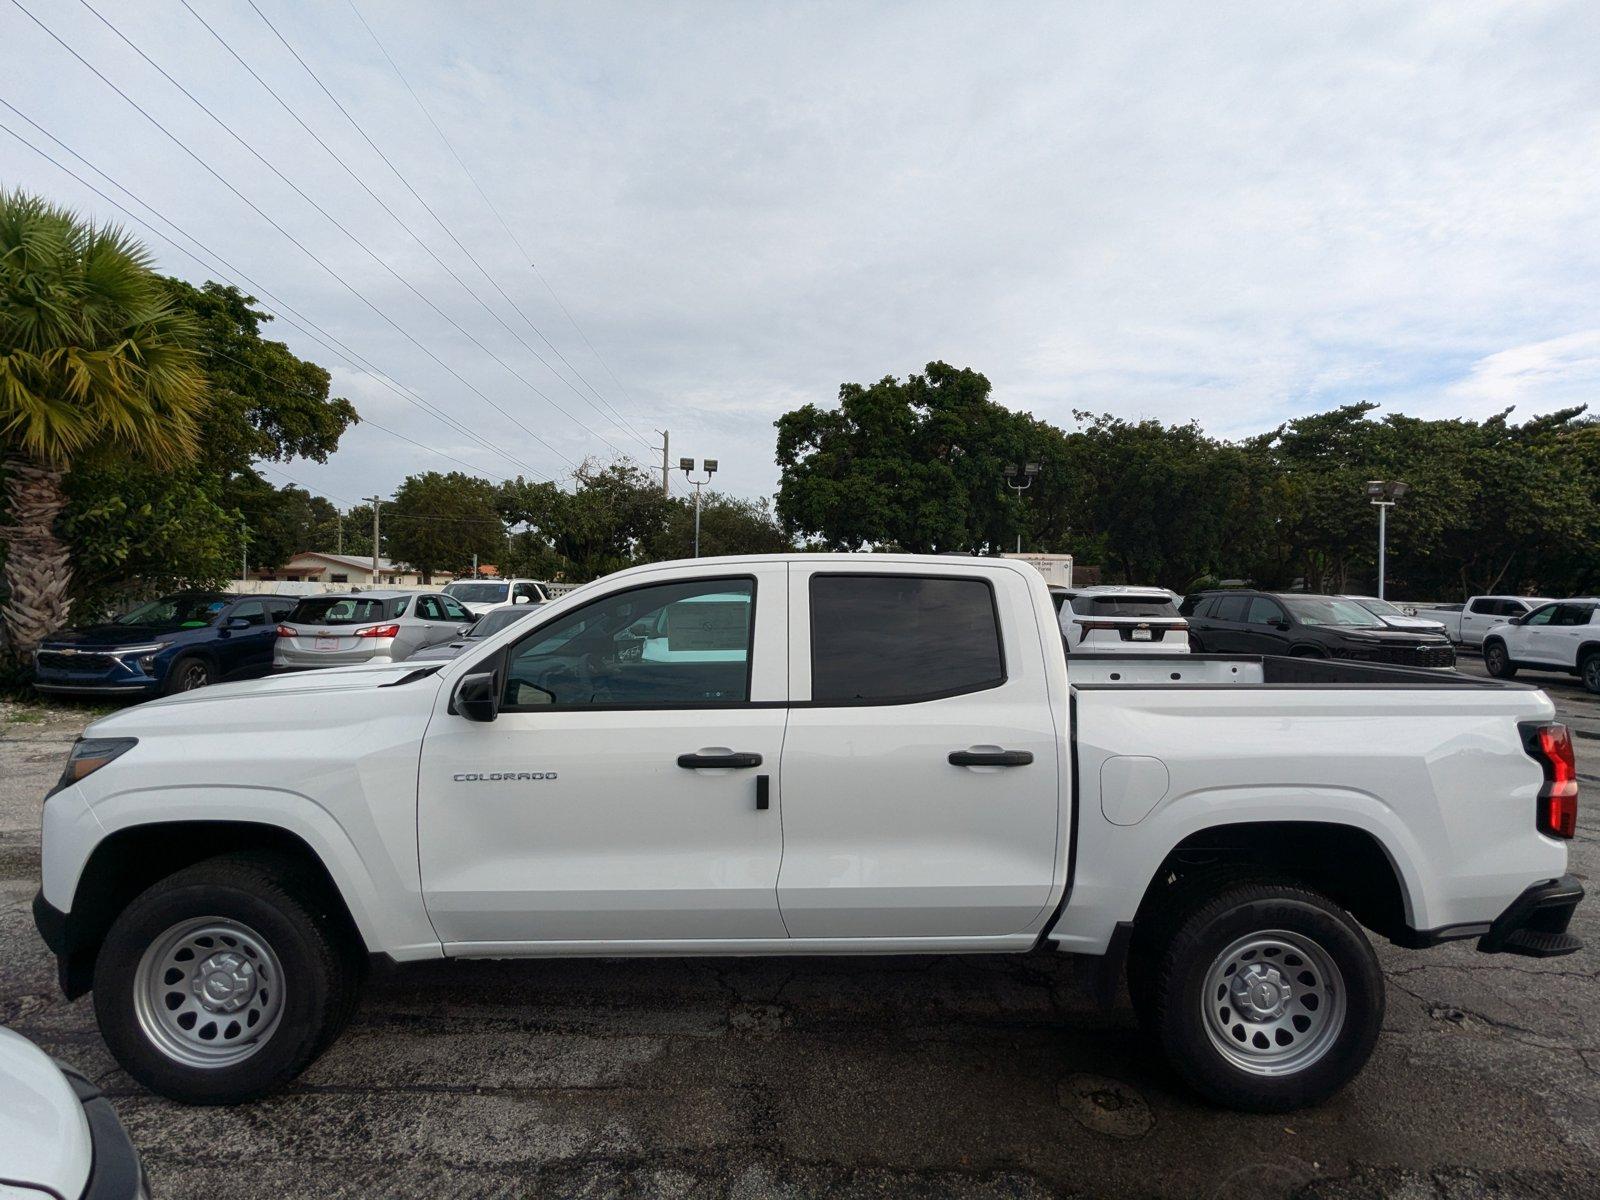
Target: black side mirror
1515, 621
477, 696
1281, 624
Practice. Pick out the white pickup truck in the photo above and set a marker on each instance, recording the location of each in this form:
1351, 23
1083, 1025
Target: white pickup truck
806, 754
1466, 624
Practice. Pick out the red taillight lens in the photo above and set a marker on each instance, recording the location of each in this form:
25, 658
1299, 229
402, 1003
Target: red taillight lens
285, 631
1558, 798
385, 631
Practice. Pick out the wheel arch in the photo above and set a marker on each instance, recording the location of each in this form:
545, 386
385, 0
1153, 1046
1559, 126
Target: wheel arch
130, 859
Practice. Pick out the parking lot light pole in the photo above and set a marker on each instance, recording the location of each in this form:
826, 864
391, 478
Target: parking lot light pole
1024, 471
1383, 493
686, 465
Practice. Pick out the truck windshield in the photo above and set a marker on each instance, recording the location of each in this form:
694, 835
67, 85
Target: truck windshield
478, 593
1325, 610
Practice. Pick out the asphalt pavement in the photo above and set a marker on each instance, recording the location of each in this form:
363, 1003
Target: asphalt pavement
970, 1077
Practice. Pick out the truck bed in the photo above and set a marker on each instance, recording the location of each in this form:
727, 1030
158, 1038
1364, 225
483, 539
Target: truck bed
1096, 671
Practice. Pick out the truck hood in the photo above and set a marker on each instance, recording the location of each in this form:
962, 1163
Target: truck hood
44, 1135
329, 679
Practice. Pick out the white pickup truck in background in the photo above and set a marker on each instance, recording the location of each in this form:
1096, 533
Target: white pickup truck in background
1466, 624
806, 754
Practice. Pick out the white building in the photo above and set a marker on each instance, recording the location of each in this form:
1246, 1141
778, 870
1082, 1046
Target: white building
316, 566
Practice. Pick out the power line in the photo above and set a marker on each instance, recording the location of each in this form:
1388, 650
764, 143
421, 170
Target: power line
182, 145
334, 221
233, 274
449, 145
399, 220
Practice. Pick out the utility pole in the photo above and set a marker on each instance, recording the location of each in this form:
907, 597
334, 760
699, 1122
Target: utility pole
340, 549
376, 500
666, 469
686, 465
244, 551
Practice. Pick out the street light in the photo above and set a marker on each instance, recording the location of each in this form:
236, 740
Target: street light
686, 465
1383, 493
1025, 471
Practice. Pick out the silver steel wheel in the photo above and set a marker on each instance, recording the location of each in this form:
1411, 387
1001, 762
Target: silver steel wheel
193, 674
208, 992
1273, 1002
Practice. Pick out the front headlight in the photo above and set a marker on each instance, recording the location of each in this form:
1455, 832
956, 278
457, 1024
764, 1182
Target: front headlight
89, 755
137, 651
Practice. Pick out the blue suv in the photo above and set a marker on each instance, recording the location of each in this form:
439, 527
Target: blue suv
173, 644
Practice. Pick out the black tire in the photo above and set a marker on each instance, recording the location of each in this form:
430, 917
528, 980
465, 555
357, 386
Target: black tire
1196, 646
1497, 661
1589, 672
189, 671
286, 908
1350, 997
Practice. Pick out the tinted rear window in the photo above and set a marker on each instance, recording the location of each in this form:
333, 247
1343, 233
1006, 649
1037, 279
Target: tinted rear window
336, 610
1124, 606
895, 638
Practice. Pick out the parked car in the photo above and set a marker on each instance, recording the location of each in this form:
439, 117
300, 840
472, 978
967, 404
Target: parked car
1561, 636
479, 596
1396, 616
365, 627
493, 622
60, 1139
177, 643
1249, 622
1466, 624
1107, 619
849, 754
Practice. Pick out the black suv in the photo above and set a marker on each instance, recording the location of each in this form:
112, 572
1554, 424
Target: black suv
1244, 622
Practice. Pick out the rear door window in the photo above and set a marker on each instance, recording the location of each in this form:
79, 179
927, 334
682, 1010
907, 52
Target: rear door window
1572, 614
1232, 608
896, 639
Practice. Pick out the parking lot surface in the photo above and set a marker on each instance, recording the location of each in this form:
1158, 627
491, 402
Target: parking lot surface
969, 1077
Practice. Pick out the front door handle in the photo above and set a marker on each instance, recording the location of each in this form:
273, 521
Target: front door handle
701, 762
990, 758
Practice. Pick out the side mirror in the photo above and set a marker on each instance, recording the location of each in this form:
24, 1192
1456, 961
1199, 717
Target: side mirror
1281, 625
522, 600
237, 623
1516, 620
463, 630
477, 697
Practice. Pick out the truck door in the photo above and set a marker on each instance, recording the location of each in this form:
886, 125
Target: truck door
920, 781
626, 792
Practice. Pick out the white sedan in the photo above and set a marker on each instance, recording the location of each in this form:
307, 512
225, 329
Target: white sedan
59, 1137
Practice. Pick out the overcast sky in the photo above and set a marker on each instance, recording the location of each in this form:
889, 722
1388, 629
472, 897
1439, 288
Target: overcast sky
1228, 212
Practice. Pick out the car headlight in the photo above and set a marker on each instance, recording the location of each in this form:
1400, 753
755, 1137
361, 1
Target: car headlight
138, 651
89, 755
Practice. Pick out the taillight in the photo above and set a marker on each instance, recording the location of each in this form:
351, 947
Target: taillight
285, 631
1558, 798
379, 631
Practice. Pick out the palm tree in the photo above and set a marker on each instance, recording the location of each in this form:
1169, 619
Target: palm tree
94, 360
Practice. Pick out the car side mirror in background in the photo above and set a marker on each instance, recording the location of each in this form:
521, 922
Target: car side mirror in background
522, 600
1515, 621
477, 697
1281, 624
237, 623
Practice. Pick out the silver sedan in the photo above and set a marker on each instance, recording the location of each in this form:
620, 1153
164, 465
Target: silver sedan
365, 627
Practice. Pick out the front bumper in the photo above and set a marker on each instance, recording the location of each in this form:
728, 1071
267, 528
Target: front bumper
64, 937
1535, 923
117, 1173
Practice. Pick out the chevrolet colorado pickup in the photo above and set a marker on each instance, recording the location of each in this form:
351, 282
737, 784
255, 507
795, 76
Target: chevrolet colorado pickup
806, 754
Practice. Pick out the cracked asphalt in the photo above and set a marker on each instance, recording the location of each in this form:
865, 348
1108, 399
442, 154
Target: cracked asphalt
977, 1077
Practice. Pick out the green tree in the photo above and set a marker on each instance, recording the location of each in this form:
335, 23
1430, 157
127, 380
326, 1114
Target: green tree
438, 521
96, 363
610, 520
728, 525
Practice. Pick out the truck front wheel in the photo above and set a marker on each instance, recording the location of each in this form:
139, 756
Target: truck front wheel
223, 981
1266, 997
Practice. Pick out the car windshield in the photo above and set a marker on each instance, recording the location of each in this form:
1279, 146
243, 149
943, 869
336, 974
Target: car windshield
190, 610
478, 593
496, 621
1329, 610
1125, 606
336, 610
1381, 607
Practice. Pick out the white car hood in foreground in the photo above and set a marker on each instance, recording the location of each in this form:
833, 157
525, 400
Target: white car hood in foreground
44, 1135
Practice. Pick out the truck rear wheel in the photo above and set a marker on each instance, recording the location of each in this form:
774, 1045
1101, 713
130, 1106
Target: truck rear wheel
1266, 997
221, 983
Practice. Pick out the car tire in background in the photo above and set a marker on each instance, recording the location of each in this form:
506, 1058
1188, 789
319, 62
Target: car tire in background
1497, 660
223, 981
1589, 671
189, 671
1266, 996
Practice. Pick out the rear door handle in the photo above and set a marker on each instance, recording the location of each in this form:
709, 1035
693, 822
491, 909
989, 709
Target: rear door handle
701, 762
990, 758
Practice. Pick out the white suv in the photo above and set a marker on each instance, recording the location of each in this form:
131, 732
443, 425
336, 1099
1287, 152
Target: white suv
1109, 619
479, 596
1563, 635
